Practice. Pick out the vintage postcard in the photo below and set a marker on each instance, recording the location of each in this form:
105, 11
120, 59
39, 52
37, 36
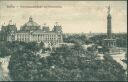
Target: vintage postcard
63, 40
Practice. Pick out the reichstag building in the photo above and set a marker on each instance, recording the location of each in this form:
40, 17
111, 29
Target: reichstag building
32, 32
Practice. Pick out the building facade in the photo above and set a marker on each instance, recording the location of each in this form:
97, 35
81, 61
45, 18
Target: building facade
32, 32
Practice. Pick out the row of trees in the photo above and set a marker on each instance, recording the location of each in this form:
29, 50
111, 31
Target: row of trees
76, 38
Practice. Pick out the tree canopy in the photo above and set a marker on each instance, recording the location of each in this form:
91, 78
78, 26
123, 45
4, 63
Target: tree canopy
65, 63
76, 38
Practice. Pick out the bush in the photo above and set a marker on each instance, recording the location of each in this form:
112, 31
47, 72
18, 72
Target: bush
5, 50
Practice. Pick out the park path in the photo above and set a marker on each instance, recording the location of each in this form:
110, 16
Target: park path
1, 74
118, 58
4, 69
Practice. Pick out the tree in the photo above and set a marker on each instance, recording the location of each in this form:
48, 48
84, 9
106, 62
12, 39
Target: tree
32, 46
23, 65
5, 50
42, 45
98, 39
76, 38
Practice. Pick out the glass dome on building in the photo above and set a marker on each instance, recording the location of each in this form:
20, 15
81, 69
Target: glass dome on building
30, 25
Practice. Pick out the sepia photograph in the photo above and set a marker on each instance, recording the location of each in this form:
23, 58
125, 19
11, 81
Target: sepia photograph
63, 40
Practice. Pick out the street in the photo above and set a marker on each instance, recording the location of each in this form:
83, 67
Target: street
119, 58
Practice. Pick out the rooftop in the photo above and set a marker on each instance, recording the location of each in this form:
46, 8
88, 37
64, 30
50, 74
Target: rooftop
31, 23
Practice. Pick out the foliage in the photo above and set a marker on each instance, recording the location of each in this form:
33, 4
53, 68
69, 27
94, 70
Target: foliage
4, 50
24, 61
65, 63
121, 39
8, 48
75, 38
23, 65
98, 39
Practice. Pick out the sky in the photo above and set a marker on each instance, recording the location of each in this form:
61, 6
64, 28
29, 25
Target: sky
74, 16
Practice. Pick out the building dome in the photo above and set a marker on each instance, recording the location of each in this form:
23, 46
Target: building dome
30, 25
45, 28
57, 28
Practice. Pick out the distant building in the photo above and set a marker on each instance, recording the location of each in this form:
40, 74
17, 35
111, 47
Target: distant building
109, 41
32, 32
